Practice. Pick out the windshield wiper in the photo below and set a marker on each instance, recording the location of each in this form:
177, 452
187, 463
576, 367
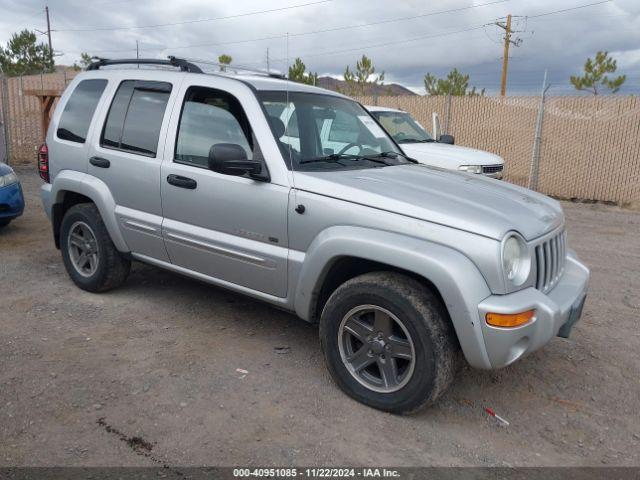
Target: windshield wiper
332, 158
416, 140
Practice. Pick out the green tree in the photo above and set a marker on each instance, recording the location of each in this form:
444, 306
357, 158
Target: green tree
595, 75
224, 60
362, 77
85, 61
455, 83
24, 56
298, 73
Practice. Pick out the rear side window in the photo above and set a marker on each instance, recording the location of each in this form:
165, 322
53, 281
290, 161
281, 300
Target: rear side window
78, 112
135, 117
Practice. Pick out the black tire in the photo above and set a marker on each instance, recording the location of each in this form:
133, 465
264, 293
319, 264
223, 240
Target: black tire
436, 349
4, 222
112, 267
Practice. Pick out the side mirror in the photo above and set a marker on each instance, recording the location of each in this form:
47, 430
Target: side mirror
448, 139
231, 159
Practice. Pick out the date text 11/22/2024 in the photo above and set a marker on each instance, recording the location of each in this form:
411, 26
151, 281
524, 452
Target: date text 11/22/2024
317, 472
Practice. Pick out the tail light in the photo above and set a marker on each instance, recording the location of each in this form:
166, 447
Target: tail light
43, 162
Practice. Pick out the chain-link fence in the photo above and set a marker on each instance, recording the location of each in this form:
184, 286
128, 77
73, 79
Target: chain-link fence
590, 146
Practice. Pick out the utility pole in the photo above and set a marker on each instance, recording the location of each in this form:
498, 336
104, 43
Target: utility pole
137, 52
505, 59
268, 69
46, 9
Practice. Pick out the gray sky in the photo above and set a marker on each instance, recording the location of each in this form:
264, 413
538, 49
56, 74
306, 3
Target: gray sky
405, 49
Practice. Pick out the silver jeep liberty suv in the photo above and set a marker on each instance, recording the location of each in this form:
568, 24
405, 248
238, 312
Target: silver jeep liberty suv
403, 266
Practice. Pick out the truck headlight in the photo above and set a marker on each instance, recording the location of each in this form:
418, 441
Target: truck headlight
516, 261
470, 168
8, 179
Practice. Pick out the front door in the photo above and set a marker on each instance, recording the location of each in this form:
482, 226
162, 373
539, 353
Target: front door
231, 228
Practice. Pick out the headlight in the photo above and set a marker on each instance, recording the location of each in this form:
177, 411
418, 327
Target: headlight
516, 262
8, 179
470, 168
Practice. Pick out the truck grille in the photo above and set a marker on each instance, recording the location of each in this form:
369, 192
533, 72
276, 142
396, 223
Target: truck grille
550, 260
492, 168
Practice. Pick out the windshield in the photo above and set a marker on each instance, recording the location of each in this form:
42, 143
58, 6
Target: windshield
325, 132
402, 127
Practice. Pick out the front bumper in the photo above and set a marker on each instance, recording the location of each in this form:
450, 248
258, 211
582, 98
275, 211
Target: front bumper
11, 201
560, 306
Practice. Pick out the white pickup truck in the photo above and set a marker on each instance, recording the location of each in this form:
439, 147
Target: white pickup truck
416, 142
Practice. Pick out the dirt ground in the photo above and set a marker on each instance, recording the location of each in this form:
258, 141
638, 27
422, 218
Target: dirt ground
148, 374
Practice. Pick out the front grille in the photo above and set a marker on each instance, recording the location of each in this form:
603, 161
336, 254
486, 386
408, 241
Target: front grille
492, 168
550, 261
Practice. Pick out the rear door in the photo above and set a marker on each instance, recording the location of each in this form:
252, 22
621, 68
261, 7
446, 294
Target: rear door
231, 228
127, 155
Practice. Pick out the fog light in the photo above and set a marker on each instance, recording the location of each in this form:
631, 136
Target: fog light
509, 320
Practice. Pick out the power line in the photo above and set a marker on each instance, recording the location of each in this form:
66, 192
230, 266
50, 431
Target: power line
313, 32
569, 9
437, 35
186, 22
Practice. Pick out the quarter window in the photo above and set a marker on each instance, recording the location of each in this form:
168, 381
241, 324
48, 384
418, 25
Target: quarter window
135, 117
209, 117
78, 112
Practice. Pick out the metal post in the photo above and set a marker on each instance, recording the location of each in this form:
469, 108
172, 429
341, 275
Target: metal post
4, 115
535, 157
447, 114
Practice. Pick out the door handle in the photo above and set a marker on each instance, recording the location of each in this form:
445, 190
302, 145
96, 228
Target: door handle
99, 162
182, 182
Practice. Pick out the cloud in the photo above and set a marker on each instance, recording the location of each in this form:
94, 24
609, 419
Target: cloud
424, 41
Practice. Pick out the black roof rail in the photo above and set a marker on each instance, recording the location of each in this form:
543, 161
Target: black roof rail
180, 63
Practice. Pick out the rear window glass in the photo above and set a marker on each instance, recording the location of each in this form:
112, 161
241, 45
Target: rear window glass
135, 117
78, 112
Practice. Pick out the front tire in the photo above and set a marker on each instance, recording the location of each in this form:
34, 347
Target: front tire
4, 222
90, 257
388, 342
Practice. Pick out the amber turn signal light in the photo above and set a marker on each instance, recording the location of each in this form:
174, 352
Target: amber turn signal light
509, 320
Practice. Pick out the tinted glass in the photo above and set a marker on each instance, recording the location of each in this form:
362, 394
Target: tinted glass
321, 126
210, 117
402, 127
79, 110
135, 117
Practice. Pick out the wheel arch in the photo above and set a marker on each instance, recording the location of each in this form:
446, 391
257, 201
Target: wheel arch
71, 188
340, 253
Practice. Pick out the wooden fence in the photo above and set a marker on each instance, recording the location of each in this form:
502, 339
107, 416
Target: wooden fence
590, 146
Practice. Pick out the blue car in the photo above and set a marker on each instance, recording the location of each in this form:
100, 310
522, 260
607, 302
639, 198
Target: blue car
11, 198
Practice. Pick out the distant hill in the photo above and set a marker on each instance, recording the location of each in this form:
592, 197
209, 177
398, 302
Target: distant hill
334, 84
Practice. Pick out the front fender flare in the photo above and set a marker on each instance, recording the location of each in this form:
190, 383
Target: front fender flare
98, 192
456, 277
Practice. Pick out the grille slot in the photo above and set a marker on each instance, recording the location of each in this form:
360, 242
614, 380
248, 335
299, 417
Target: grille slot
550, 260
492, 168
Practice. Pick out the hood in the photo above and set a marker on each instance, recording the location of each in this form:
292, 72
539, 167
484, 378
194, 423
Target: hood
5, 169
449, 156
463, 201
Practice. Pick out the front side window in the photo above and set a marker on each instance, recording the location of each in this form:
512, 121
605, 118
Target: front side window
78, 112
209, 117
135, 117
326, 132
402, 127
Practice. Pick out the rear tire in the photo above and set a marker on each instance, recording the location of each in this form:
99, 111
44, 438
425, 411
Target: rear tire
400, 331
4, 222
90, 257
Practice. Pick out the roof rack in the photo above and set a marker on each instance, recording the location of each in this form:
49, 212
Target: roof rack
180, 63
227, 68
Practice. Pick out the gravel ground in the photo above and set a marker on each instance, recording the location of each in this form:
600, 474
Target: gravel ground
148, 374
